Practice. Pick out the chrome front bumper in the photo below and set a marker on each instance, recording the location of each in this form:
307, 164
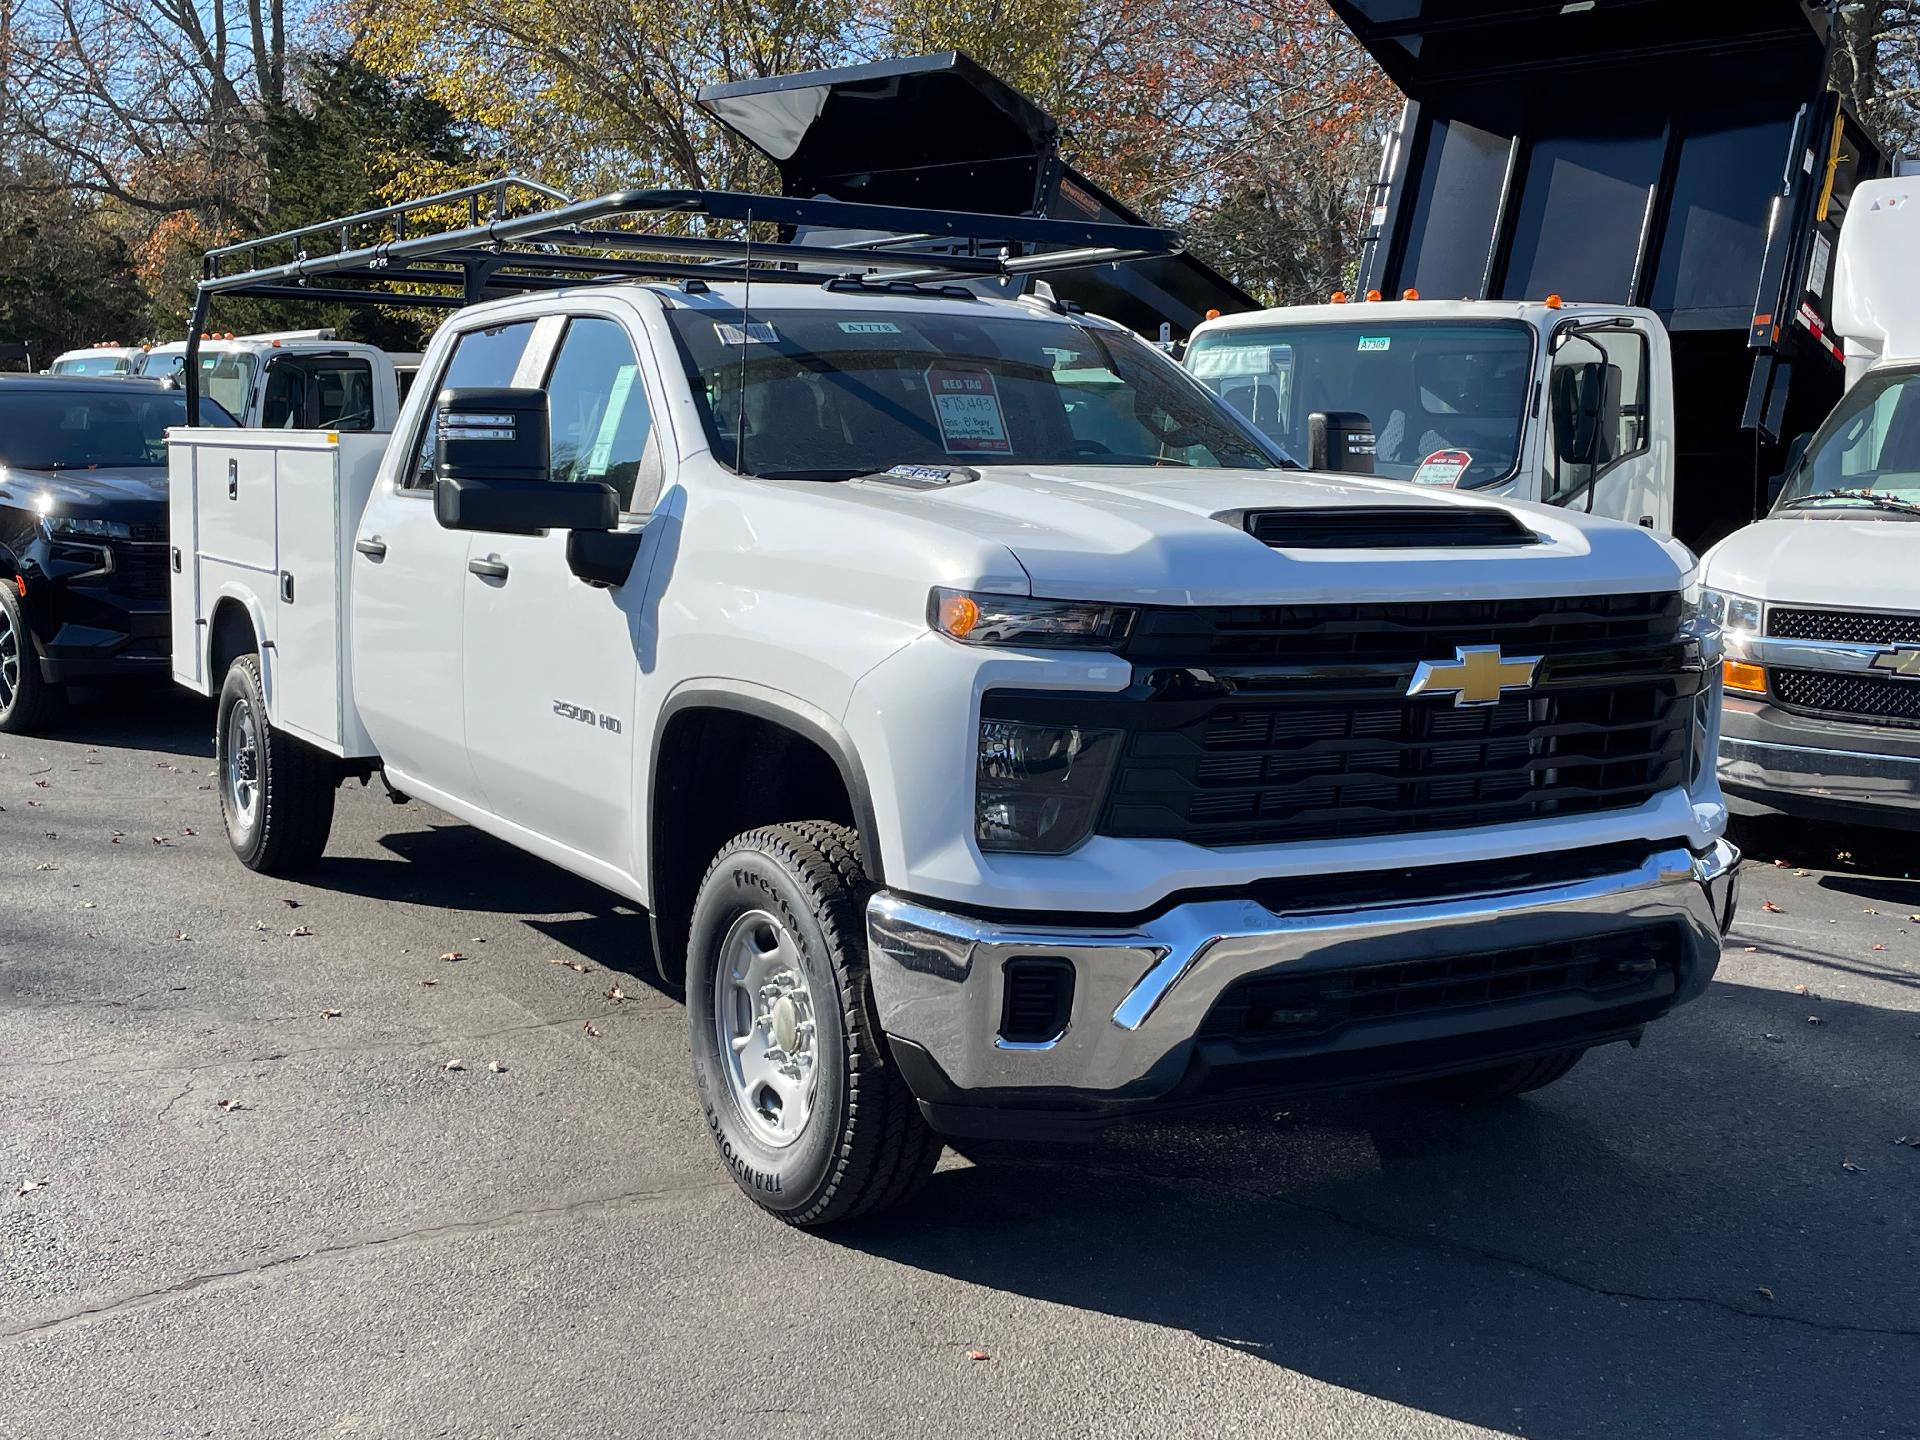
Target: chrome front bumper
1141, 993
1779, 774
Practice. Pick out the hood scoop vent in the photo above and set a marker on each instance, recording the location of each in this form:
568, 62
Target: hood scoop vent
1385, 527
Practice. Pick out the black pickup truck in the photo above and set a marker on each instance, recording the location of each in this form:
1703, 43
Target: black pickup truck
83, 535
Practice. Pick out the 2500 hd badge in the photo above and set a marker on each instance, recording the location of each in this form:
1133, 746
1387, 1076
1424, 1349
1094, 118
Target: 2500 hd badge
585, 716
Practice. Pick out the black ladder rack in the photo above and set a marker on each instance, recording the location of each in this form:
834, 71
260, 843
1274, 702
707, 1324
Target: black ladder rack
381, 257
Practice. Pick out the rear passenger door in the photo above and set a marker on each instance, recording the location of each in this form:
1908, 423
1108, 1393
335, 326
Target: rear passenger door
551, 666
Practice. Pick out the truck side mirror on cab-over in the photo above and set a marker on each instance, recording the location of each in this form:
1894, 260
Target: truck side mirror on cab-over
491, 465
1340, 440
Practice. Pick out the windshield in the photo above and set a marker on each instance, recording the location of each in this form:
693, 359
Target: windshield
833, 393
1867, 455
1434, 391
92, 365
85, 428
226, 376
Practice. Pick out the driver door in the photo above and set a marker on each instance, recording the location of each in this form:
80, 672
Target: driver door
551, 672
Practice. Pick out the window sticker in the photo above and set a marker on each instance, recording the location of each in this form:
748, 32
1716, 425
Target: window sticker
1822, 261
1375, 344
602, 451
868, 327
1443, 467
757, 332
967, 405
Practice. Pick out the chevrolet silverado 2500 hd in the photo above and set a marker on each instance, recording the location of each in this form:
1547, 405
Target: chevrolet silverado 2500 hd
999, 735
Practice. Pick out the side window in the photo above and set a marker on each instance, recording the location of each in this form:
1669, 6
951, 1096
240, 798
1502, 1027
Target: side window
1598, 408
480, 357
343, 395
602, 426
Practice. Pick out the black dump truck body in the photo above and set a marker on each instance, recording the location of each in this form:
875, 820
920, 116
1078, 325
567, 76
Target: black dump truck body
1683, 155
939, 130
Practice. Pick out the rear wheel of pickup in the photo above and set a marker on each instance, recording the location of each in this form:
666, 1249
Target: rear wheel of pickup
804, 1104
26, 701
276, 794
1502, 1082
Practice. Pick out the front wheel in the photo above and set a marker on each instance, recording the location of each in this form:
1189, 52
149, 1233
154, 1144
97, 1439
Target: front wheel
276, 794
27, 702
804, 1104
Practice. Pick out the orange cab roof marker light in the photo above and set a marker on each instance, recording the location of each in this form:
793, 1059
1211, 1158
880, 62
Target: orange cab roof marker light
1339, 297
1554, 302
1373, 297
1410, 294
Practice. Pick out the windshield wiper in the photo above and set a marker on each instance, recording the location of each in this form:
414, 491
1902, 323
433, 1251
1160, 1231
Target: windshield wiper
1872, 497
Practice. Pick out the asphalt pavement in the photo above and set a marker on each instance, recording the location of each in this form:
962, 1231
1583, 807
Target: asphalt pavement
243, 1194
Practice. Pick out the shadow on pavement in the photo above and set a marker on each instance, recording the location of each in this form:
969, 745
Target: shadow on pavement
161, 718
1872, 863
454, 866
1586, 1261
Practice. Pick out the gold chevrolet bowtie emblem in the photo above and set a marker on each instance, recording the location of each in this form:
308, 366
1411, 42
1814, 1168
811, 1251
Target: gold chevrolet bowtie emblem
1477, 675
1901, 660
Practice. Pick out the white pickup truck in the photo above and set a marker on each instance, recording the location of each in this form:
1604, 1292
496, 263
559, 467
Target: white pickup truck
290, 380
1567, 404
999, 736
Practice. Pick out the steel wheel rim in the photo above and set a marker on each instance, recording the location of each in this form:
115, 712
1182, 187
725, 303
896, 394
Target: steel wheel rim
9, 660
241, 773
763, 1019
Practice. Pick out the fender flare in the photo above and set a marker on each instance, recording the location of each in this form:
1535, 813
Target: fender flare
765, 703
249, 601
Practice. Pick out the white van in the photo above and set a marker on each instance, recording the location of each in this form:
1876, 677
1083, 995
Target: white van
1821, 599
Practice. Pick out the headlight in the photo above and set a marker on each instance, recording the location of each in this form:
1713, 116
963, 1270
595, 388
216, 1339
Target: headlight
977, 619
72, 525
1038, 788
1732, 612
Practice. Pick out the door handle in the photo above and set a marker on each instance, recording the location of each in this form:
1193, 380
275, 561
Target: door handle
373, 547
488, 569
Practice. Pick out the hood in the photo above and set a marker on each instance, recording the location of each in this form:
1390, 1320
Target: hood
1151, 536
1853, 559
103, 491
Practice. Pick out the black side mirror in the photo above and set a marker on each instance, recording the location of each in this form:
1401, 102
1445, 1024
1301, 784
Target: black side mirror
1579, 397
1340, 440
490, 462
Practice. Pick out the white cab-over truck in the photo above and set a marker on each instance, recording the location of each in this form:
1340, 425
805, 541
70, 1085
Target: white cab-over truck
290, 380
1820, 600
999, 735
1567, 404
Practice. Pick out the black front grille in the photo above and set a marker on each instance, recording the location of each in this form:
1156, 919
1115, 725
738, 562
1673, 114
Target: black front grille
1853, 627
1305, 731
1388, 527
1865, 697
139, 571
1277, 1008
1393, 634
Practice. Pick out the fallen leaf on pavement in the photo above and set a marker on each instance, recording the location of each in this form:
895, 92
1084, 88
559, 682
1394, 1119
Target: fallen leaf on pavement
429, 982
1803, 990
570, 964
1763, 1292
456, 1064
1771, 908
453, 956
1781, 864
290, 904
587, 1029
182, 935
1879, 947
229, 1106
41, 783
329, 1014
1849, 1165
978, 1355
1803, 873
186, 829
46, 865
161, 840
27, 1187
1815, 1020
1769, 1035
616, 994
299, 930
496, 1067
1912, 1142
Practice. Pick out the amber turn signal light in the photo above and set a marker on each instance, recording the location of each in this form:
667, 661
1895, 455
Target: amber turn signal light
1739, 675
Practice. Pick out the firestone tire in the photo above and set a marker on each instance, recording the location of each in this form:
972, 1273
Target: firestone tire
1502, 1082
27, 702
805, 1107
276, 794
